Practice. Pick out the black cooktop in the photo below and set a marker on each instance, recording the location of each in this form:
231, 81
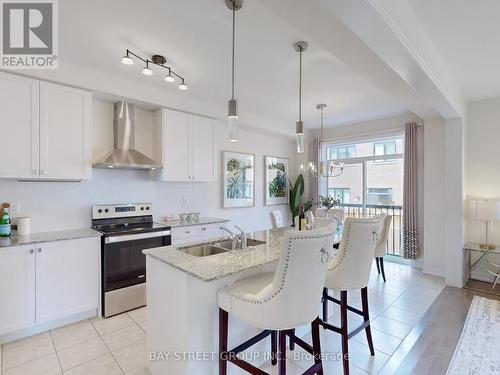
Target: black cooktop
129, 225
130, 228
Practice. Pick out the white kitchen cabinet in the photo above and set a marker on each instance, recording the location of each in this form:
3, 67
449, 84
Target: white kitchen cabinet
17, 288
67, 278
185, 146
202, 149
45, 130
182, 235
19, 126
65, 142
45, 282
211, 231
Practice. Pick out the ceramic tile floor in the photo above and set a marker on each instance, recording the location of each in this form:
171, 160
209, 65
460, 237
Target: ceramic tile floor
117, 345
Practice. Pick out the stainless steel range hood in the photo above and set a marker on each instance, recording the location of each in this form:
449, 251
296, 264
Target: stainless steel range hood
124, 155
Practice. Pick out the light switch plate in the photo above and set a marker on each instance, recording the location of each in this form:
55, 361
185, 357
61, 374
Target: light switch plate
185, 201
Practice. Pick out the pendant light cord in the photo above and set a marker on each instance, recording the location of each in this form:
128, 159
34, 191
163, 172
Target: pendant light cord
321, 134
300, 85
232, 62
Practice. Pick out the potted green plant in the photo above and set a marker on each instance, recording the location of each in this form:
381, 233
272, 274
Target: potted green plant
328, 202
296, 191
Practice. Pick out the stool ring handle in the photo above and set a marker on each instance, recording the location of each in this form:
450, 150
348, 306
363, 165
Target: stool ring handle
323, 253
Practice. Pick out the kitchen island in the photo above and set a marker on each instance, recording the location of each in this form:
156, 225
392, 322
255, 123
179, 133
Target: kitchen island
183, 310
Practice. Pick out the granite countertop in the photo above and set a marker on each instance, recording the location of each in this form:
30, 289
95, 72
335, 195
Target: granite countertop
225, 264
73, 234
200, 221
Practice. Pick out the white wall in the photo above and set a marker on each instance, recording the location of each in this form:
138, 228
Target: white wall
66, 205
482, 171
434, 196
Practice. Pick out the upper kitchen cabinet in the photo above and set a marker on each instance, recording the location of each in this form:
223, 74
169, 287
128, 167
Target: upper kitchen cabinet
45, 130
19, 126
185, 145
65, 141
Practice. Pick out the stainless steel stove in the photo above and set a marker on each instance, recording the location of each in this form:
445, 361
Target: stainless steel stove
127, 230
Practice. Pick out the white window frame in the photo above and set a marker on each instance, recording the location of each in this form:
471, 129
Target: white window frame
323, 181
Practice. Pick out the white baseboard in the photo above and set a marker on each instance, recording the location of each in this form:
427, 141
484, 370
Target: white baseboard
46, 326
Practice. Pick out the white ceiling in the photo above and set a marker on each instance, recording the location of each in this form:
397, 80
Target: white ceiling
467, 35
195, 37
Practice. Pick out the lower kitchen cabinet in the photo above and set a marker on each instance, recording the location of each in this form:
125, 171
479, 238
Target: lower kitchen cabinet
211, 231
193, 233
67, 278
45, 282
17, 288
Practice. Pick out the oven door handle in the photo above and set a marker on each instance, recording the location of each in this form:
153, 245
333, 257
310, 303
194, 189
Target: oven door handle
138, 236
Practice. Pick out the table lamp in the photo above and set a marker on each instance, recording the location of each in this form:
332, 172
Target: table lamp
486, 211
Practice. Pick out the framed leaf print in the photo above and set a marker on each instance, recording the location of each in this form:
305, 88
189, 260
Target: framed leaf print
276, 174
238, 175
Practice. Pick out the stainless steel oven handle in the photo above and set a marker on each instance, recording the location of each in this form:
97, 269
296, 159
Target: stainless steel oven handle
138, 236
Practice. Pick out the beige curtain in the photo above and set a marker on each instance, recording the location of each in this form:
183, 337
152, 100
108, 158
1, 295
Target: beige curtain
411, 248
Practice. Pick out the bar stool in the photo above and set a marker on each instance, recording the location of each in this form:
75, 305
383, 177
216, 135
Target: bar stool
382, 243
278, 302
350, 270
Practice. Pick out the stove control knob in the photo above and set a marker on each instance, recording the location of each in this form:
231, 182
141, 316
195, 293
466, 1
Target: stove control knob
142, 208
99, 210
147, 208
106, 210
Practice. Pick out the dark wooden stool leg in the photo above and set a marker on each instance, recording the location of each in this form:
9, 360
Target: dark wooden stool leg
366, 318
223, 325
274, 348
292, 344
282, 354
325, 305
382, 268
316, 344
378, 265
344, 334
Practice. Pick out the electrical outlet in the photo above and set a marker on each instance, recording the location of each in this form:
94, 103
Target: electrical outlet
15, 208
185, 201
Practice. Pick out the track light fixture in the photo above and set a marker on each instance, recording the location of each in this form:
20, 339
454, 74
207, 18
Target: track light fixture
156, 60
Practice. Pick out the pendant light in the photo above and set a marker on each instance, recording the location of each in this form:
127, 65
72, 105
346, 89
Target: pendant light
232, 108
333, 168
299, 125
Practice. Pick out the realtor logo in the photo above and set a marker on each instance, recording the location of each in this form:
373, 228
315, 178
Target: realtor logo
29, 34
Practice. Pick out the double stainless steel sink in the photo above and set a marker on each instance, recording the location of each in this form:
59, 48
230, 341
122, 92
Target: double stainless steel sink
216, 247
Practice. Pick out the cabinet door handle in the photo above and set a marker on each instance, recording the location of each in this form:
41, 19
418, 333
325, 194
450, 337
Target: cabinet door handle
36, 171
39, 249
32, 251
43, 171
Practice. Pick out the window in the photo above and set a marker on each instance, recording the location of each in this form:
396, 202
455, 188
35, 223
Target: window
384, 148
344, 194
379, 196
341, 152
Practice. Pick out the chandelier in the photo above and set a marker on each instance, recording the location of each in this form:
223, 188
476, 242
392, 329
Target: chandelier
329, 168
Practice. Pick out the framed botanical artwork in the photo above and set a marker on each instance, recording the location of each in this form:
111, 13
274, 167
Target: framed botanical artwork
276, 174
238, 179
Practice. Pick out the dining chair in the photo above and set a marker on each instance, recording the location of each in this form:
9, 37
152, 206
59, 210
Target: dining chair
321, 222
350, 270
382, 243
277, 302
332, 212
276, 219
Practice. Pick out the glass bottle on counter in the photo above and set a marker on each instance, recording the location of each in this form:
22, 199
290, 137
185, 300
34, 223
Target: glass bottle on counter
302, 219
5, 228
